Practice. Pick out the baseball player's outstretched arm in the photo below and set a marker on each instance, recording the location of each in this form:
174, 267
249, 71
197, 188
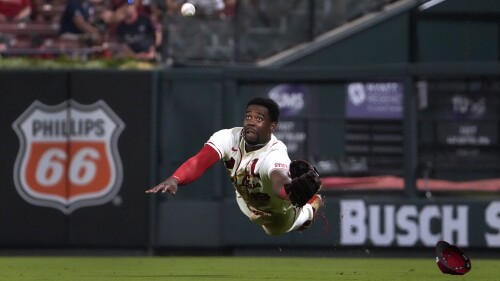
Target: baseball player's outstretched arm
189, 171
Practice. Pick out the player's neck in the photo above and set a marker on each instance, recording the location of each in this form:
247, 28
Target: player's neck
253, 147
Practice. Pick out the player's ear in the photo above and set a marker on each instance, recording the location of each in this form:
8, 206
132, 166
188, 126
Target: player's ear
274, 125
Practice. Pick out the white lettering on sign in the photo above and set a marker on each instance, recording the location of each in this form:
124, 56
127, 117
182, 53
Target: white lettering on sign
492, 218
406, 220
387, 224
68, 156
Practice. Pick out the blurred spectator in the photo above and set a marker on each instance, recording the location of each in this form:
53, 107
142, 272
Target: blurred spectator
156, 10
79, 18
208, 8
15, 10
38, 10
138, 33
47, 10
148, 8
230, 8
116, 11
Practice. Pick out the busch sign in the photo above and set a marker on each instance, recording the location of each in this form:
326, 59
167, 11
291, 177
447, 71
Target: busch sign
424, 223
68, 156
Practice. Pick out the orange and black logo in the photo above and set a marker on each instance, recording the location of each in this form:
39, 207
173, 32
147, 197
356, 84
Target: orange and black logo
68, 156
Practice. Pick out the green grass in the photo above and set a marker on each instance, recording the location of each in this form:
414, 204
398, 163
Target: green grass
235, 268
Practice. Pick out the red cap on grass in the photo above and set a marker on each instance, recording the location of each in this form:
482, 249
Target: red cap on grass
451, 259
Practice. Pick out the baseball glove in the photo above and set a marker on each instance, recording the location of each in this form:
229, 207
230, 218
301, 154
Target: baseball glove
305, 182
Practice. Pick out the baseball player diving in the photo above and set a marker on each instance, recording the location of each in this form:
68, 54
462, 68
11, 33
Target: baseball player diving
272, 191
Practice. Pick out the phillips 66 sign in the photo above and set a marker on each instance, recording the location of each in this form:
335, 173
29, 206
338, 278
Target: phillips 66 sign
68, 156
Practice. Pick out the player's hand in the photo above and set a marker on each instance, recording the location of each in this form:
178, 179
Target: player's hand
169, 185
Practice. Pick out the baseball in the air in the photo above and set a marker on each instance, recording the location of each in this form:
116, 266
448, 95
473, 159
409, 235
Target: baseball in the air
188, 10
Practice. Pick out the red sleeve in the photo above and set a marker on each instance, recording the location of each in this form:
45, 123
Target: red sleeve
195, 166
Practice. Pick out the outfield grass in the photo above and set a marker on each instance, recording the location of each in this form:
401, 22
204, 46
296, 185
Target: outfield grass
235, 268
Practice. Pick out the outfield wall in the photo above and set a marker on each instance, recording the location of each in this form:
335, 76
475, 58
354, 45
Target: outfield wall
80, 148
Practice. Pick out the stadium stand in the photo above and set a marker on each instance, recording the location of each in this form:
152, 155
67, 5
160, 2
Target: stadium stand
39, 37
238, 35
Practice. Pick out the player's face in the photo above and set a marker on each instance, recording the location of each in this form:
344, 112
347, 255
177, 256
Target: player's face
257, 127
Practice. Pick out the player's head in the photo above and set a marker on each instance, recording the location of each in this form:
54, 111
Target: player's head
261, 119
270, 104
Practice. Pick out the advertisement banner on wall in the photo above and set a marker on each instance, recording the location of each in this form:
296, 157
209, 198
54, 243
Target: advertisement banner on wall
294, 102
385, 223
467, 133
68, 156
71, 147
374, 100
419, 223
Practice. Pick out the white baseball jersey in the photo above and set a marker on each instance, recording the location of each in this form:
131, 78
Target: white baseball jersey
250, 171
250, 174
